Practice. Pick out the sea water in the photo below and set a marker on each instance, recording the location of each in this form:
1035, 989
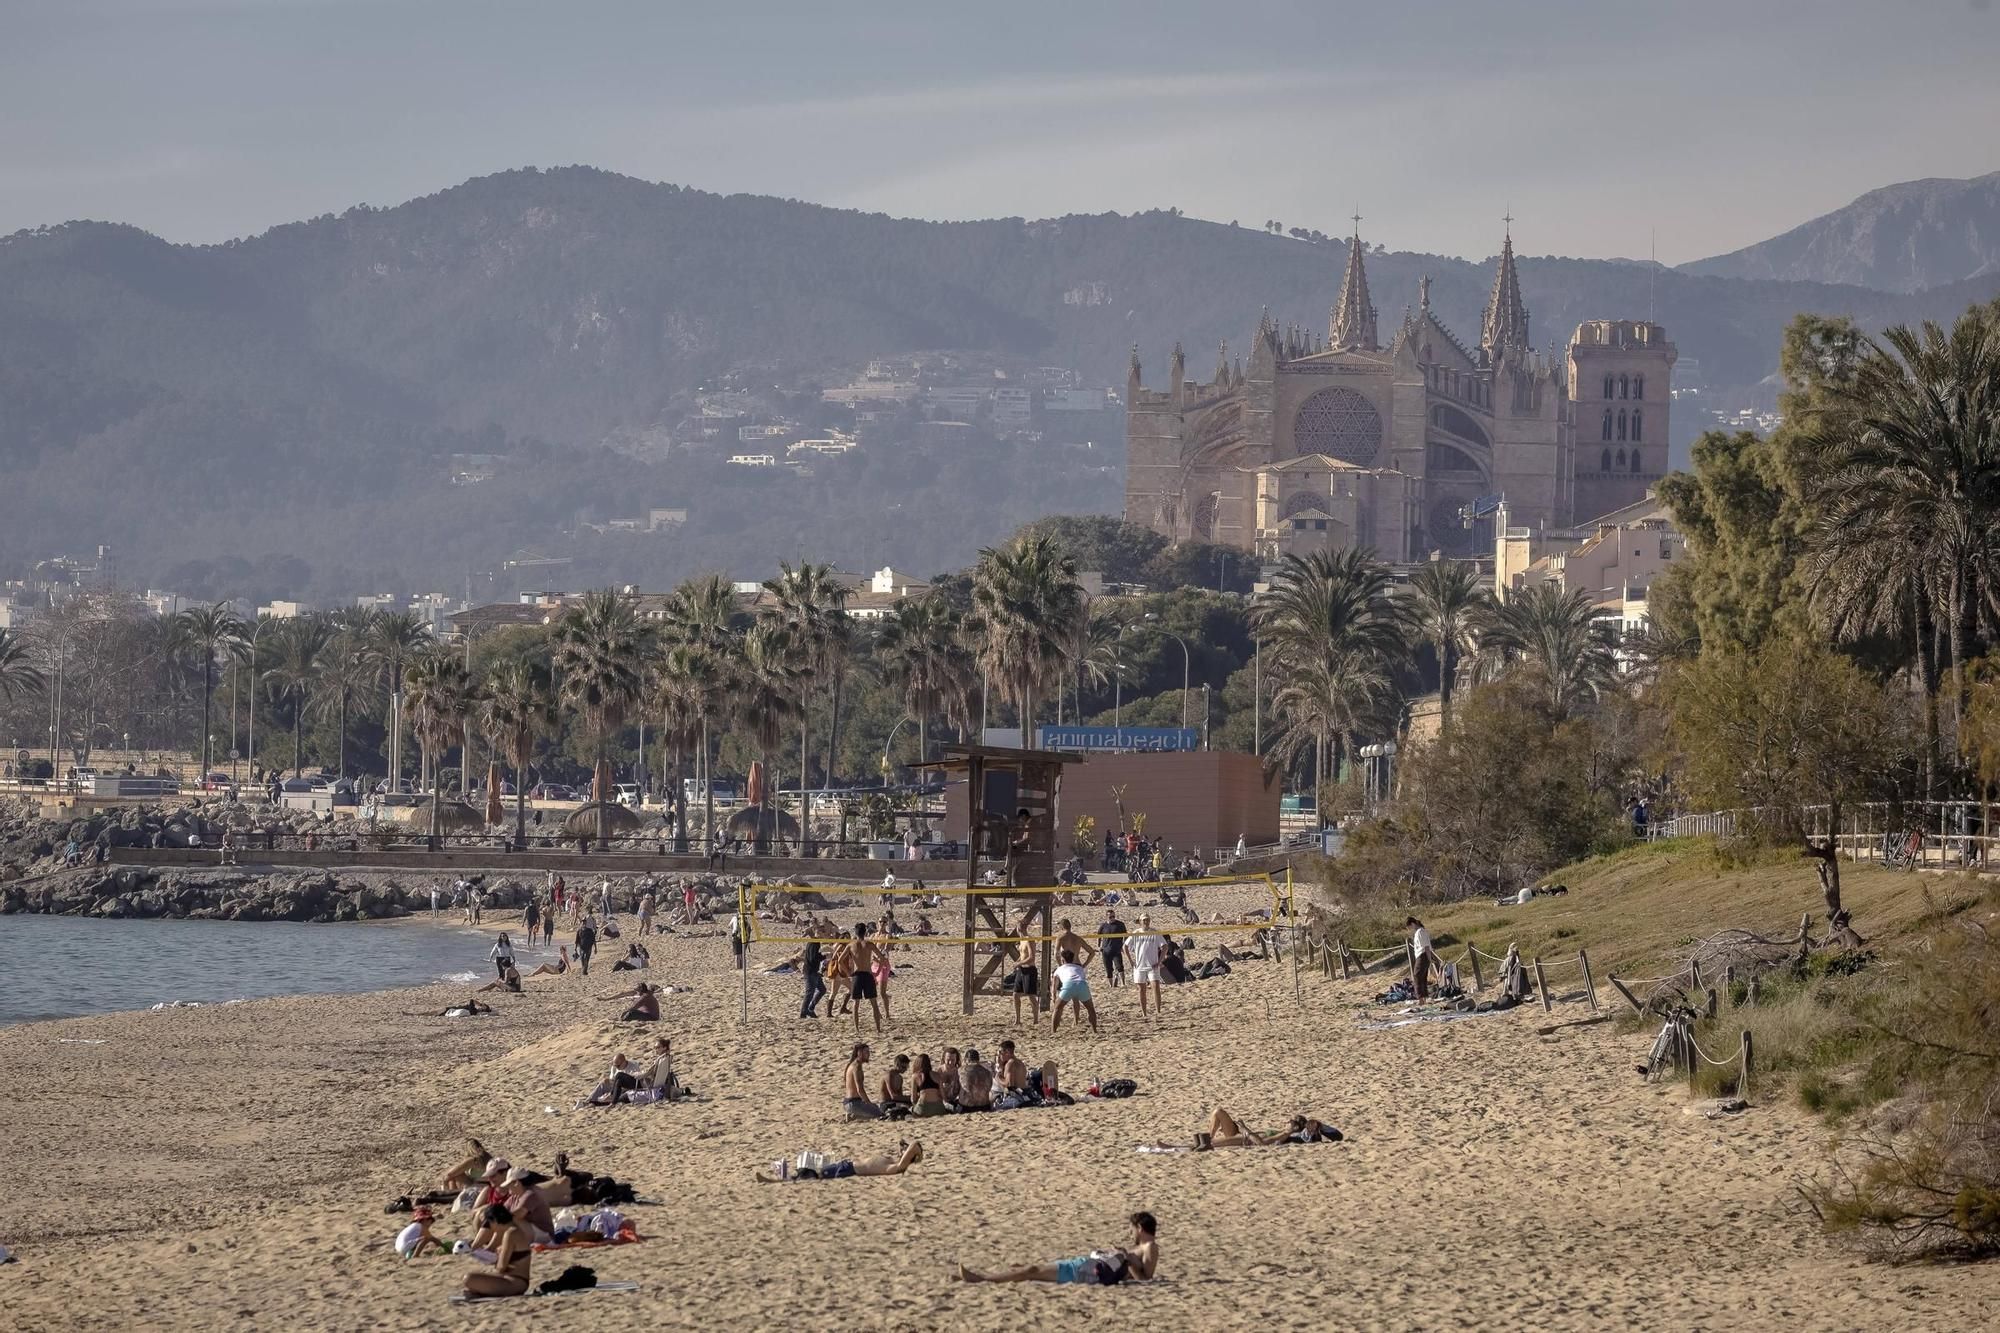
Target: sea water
61, 966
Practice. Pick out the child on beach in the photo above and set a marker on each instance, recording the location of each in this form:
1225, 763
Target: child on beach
413, 1239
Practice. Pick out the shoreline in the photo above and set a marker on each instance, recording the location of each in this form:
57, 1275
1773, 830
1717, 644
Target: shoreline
241, 1156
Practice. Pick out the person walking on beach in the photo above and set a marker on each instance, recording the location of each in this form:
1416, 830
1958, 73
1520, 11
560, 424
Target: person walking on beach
862, 954
1111, 947
502, 955
813, 965
1143, 950
604, 896
434, 901
646, 912
531, 917
585, 941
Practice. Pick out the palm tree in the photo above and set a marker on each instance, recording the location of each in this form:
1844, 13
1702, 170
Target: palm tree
394, 639
207, 632
1559, 638
809, 604
702, 614
922, 649
767, 696
346, 674
688, 689
1026, 604
1332, 626
1322, 702
1446, 604
599, 658
440, 696
1907, 473
18, 672
302, 653
519, 709
1094, 654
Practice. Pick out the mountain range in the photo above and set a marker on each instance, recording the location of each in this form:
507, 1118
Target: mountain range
277, 415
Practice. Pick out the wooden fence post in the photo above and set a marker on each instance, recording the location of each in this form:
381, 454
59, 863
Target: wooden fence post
1693, 1056
1478, 977
1341, 945
1623, 990
1589, 982
1542, 985
1743, 1082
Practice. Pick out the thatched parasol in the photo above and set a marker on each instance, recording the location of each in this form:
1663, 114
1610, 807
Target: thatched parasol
582, 821
757, 825
452, 816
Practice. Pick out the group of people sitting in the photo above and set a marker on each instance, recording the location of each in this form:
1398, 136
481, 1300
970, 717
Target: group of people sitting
514, 1210
917, 1086
628, 1082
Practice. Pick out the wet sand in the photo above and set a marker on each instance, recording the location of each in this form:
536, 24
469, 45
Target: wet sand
227, 1167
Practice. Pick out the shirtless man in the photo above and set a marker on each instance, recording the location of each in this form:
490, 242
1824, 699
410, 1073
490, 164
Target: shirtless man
1135, 1261
1013, 1071
1071, 942
861, 986
895, 1088
976, 1091
949, 1085
1027, 982
854, 1087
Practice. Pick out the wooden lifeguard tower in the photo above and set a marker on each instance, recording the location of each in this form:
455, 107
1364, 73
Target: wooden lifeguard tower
1012, 822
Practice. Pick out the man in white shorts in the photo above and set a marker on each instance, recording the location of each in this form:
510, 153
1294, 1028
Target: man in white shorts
1142, 960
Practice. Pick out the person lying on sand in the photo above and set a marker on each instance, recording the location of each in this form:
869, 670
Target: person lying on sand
510, 980
469, 1009
512, 1255
558, 967
1235, 951
880, 1165
1224, 1131
1134, 1262
645, 1004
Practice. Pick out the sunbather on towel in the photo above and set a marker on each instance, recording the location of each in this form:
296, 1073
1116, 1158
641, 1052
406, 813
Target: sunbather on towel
811, 1167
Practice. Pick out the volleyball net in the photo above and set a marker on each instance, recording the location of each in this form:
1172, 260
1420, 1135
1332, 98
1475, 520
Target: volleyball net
1246, 902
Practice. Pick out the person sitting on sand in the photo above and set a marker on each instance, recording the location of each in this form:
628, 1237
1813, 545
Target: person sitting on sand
558, 967
926, 1091
616, 1083
1072, 988
645, 1004
854, 1101
469, 1170
415, 1238
510, 980
660, 1078
976, 1084
635, 958
895, 1091
513, 1252
949, 1085
1239, 950
1013, 1071
881, 1165
1134, 1262
528, 1206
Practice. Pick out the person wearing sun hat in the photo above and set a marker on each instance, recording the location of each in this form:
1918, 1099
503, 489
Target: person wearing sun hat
528, 1206
1143, 949
412, 1239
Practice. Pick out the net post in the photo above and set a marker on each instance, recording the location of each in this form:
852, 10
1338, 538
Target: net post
743, 965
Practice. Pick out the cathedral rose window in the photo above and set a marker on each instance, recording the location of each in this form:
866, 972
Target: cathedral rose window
1341, 424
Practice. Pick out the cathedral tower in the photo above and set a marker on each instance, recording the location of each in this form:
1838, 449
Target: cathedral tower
1352, 327
1620, 386
1505, 331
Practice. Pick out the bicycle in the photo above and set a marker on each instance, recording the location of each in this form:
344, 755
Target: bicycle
1903, 850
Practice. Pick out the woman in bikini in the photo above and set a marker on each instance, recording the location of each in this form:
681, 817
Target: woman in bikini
1135, 1262
880, 1165
1224, 1131
558, 967
512, 1254
927, 1094
469, 1170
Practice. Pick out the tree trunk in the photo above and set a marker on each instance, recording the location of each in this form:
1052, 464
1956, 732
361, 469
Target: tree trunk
1444, 684
207, 669
1826, 863
1957, 638
707, 792
833, 726
342, 748
600, 790
521, 801
805, 783
431, 759
680, 798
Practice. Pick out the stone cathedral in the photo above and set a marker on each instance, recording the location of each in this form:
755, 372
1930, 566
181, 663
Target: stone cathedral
1402, 449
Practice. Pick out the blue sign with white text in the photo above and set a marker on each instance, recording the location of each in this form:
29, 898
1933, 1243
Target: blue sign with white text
1120, 738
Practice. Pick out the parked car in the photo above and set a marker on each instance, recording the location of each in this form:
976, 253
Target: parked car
217, 782
626, 793
550, 791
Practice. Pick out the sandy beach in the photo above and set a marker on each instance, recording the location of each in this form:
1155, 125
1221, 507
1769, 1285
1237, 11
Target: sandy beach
227, 1167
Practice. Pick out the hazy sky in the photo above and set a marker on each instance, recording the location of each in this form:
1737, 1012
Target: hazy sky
1596, 122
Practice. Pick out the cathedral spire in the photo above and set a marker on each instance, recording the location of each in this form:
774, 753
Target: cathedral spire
1505, 332
1353, 323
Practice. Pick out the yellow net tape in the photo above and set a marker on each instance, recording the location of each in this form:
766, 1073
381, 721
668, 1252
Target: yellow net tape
1279, 905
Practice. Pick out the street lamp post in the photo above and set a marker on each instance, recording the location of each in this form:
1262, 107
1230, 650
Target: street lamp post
1207, 713
1187, 669
886, 744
